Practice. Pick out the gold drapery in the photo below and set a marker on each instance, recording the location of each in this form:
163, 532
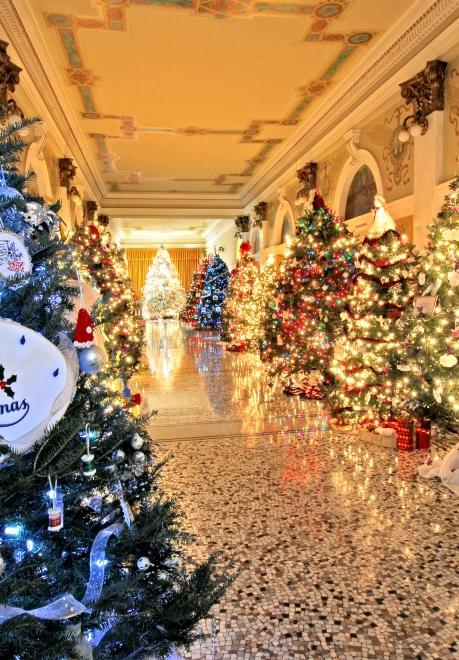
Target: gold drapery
139, 260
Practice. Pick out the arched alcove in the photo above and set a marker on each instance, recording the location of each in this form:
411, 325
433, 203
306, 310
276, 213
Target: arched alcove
284, 224
361, 193
347, 176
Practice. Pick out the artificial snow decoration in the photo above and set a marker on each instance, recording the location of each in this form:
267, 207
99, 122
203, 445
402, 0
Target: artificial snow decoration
385, 431
14, 257
448, 360
33, 376
42, 218
447, 469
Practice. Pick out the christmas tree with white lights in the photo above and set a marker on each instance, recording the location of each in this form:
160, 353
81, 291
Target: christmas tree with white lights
240, 305
263, 294
163, 294
431, 383
370, 368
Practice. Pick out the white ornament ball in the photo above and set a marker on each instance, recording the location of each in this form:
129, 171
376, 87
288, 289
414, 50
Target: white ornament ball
448, 360
137, 441
143, 563
91, 359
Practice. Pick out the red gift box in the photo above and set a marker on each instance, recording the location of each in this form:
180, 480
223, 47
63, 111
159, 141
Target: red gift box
423, 434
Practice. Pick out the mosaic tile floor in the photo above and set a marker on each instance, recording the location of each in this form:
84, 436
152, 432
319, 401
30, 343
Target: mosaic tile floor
341, 551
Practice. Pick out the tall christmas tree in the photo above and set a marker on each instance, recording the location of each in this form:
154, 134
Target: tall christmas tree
92, 558
240, 306
372, 358
189, 313
311, 292
101, 263
163, 294
213, 294
430, 389
263, 295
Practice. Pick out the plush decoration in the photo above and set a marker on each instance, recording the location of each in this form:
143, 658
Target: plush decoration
84, 330
14, 257
34, 385
318, 202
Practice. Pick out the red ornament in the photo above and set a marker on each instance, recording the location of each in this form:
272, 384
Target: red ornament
245, 247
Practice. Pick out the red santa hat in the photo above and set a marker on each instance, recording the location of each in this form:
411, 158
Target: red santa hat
84, 330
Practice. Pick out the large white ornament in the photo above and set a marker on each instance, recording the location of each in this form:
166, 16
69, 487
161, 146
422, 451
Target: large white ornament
453, 278
33, 377
448, 360
383, 221
14, 258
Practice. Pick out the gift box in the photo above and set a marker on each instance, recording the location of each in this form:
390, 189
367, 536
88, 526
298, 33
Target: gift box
423, 434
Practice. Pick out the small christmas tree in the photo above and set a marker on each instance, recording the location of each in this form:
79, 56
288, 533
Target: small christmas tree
163, 294
101, 263
240, 305
431, 384
311, 292
189, 313
213, 294
372, 358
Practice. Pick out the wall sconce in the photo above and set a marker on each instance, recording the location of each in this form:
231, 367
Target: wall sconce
75, 196
426, 91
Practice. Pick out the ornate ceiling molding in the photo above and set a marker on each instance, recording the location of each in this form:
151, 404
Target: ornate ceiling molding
440, 15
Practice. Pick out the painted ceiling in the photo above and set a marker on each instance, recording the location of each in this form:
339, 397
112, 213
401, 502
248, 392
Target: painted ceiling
193, 96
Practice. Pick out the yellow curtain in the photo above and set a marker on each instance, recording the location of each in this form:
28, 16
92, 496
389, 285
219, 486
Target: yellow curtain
139, 260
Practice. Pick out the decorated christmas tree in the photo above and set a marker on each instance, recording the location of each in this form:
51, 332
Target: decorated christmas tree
431, 383
263, 294
370, 365
239, 311
163, 294
92, 557
312, 289
189, 313
101, 264
213, 294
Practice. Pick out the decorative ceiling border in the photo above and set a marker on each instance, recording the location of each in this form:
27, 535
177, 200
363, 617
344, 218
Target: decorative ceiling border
440, 15
114, 17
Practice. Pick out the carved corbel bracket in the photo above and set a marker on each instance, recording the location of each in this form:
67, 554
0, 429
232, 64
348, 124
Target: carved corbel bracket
426, 93
9, 74
352, 141
260, 214
90, 210
242, 223
67, 171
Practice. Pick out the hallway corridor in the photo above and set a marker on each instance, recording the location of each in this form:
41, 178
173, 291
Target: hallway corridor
341, 552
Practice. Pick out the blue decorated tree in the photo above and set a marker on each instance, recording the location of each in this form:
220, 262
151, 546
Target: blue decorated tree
213, 294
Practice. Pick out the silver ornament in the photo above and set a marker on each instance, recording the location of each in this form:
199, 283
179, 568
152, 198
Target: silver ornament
137, 441
118, 456
40, 217
91, 359
139, 457
143, 563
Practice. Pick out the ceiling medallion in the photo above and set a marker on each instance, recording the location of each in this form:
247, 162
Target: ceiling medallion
329, 10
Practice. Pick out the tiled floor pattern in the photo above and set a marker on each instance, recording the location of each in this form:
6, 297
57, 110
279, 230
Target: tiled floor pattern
341, 551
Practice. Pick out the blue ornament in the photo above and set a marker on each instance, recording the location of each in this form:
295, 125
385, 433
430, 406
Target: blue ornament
91, 359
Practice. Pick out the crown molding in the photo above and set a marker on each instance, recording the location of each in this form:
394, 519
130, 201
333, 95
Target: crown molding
400, 46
